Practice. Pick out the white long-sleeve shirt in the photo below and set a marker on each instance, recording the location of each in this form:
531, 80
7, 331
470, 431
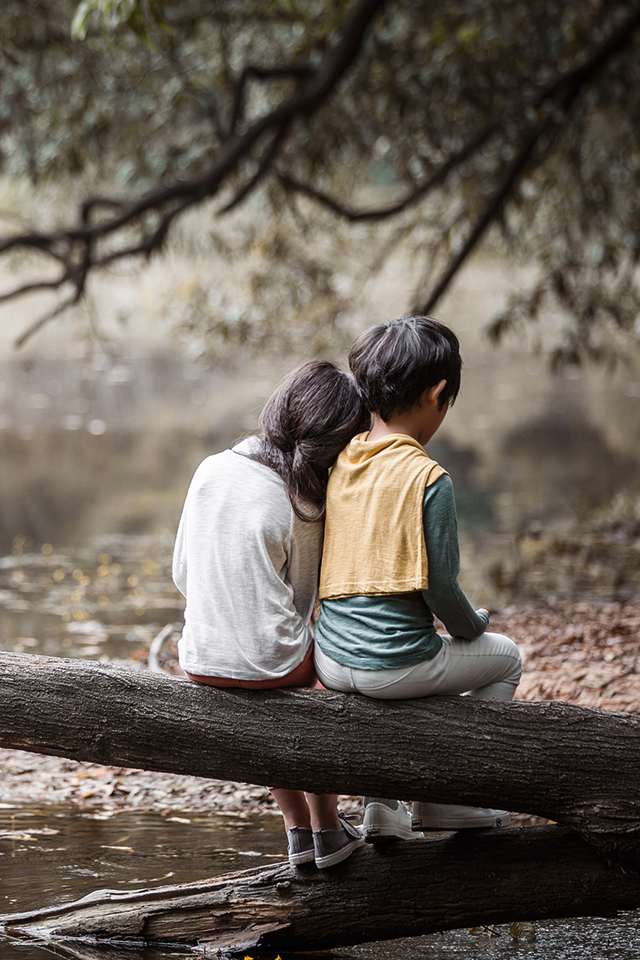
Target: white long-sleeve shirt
248, 568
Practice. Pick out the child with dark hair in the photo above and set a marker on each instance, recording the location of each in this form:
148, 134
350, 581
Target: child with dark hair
246, 559
390, 558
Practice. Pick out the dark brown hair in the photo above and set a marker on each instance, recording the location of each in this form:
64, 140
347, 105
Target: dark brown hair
394, 363
306, 422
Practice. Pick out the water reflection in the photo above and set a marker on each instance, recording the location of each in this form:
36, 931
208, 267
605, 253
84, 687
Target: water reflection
104, 602
50, 855
74, 854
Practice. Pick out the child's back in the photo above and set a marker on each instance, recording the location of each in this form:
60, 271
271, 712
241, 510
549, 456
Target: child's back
391, 559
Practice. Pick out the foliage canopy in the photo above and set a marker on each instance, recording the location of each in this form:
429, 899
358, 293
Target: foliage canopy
321, 122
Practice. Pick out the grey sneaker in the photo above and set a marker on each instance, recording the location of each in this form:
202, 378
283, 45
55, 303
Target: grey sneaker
300, 846
334, 846
386, 820
448, 816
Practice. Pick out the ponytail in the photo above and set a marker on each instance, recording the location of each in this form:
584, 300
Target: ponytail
309, 419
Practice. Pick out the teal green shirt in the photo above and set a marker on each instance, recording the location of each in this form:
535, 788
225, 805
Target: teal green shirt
384, 632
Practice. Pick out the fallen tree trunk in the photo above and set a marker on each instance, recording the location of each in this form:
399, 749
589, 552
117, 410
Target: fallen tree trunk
407, 889
570, 764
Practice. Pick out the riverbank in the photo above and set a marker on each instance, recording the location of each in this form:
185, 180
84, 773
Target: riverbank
581, 653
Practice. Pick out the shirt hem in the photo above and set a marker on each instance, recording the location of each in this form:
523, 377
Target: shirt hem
374, 589
218, 670
380, 663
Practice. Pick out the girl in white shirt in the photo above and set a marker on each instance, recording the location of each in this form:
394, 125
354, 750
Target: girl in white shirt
246, 559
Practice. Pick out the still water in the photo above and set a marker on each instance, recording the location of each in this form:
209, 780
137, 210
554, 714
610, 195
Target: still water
51, 854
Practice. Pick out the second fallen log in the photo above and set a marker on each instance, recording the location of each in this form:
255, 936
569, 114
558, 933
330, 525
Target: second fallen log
406, 889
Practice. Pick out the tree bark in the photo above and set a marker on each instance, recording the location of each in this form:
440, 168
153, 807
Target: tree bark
400, 890
570, 764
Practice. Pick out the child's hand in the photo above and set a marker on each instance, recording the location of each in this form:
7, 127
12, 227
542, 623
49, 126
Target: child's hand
482, 610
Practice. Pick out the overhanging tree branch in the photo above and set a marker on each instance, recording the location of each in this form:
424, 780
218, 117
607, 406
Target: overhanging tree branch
42, 321
495, 111
437, 179
560, 93
36, 287
492, 210
264, 166
307, 98
294, 71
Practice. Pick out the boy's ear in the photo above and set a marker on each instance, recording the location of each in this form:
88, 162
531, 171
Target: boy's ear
433, 393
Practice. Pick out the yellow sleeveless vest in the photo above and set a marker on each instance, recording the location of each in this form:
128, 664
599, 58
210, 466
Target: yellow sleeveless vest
373, 536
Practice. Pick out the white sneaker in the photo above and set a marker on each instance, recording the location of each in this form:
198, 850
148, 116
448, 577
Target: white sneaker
447, 816
386, 820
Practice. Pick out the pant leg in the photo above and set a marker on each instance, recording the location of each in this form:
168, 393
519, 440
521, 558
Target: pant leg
333, 675
487, 667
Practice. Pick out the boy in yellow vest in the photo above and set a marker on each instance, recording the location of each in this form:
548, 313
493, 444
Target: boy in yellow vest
390, 558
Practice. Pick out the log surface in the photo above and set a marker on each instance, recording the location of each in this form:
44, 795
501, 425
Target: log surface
570, 764
403, 889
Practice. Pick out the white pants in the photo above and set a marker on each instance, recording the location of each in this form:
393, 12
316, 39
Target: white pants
489, 667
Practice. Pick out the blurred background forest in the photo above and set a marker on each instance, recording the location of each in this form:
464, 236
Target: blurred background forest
196, 196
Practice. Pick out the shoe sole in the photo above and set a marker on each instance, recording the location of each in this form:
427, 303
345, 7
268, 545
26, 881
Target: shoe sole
297, 859
386, 835
464, 824
332, 859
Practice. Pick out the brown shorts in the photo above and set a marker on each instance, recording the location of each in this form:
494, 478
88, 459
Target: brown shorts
304, 675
